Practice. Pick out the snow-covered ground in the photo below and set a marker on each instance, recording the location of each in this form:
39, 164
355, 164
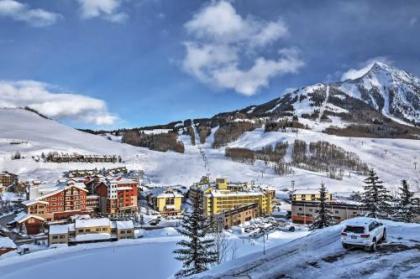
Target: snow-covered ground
320, 255
150, 257
393, 158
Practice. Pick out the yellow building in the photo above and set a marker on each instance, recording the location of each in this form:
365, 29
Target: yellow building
221, 183
167, 201
224, 198
309, 195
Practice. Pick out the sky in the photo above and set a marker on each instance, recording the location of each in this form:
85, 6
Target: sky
106, 64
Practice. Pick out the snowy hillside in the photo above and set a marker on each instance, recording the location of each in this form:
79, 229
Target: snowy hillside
384, 95
394, 92
320, 255
148, 257
30, 134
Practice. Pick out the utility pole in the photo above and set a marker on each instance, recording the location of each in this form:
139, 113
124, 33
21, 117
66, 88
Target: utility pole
264, 241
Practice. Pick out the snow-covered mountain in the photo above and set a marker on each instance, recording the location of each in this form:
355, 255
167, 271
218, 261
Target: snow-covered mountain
384, 96
337, 113
391, 91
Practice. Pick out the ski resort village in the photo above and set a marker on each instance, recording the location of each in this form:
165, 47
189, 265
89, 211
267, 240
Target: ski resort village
213, 139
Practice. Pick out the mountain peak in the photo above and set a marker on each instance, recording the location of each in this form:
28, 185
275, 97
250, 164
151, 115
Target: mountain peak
380, 67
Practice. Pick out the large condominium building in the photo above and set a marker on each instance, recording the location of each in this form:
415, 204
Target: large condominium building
117, 196
59, 202
224, 196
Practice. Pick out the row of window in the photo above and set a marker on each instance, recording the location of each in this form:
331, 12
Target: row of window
316, 210
58, 237
92, 230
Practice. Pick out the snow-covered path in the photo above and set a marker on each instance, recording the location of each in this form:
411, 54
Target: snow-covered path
320, 255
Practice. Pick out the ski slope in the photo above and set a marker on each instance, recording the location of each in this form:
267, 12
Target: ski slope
393, 159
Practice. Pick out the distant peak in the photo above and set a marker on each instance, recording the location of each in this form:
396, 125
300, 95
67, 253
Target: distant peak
380, 66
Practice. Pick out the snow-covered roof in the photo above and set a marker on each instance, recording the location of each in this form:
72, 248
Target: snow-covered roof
88, 223
42, 192
122, 180
360, 221
123, 225
163, 192
306, 192
31, 202
222, 193
80, 217
6, 242
20, 218
59, 229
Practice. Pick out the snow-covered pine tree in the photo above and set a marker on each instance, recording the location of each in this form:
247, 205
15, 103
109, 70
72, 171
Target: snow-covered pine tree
324, 218
197, 251
376, 197
405, 204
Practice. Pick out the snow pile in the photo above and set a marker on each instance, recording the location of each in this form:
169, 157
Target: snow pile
320, 255
148, 257
6, 242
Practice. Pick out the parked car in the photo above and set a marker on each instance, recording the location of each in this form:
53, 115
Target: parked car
363, 232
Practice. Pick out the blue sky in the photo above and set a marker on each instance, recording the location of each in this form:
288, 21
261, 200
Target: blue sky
127, 63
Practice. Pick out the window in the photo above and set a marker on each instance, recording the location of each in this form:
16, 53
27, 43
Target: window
373, 226
170, 201
354, 229
55, 237
336, 212
312, 197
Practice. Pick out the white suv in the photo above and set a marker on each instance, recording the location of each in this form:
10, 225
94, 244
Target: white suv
363, 232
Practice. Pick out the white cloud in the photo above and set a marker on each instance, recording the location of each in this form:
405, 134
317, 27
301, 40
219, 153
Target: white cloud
44, 98
363, 68
106, 9
22, 12
219, 40
248, 81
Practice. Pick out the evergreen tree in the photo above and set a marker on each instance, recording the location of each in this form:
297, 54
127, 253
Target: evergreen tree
405, 206
197, 251
324, 218
376, 197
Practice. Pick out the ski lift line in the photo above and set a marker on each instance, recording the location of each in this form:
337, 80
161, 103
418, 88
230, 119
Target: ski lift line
324, 104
